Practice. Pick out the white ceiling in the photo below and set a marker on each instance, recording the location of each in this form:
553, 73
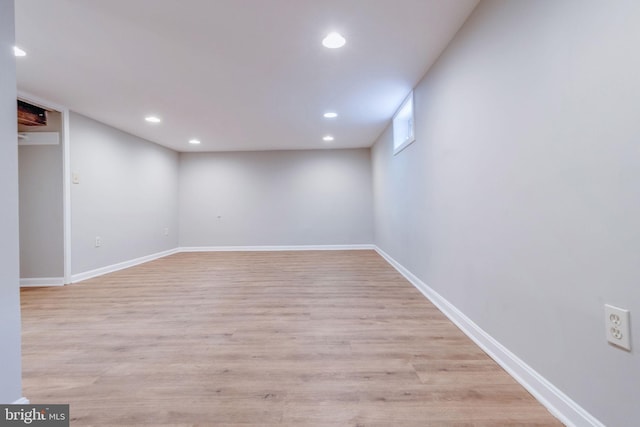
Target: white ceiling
237, 74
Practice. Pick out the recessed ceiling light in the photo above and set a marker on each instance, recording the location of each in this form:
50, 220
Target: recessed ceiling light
19, 52
328, 138
153, 119
194, 141
333, 41
330, 115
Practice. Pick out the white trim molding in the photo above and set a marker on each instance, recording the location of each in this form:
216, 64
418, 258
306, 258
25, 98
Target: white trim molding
558, 403
66, 165
41, 281
79, 277
276, 248
21, 401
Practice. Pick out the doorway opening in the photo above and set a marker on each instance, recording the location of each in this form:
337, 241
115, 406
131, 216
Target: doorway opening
43, 207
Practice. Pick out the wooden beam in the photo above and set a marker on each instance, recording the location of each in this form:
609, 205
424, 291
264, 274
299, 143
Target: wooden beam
30, 115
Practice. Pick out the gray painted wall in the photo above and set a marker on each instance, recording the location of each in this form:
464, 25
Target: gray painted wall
519, 201
41, 205
314, 197
10, 364
127, 195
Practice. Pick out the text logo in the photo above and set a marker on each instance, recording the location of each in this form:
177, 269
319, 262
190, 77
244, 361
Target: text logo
34, 415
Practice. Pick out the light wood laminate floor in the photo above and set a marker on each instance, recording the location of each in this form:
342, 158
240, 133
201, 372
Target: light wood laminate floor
332, 338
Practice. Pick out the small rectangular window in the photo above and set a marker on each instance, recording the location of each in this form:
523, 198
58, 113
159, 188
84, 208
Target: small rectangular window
403, 125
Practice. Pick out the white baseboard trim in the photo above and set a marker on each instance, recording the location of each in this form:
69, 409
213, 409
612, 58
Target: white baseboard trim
21, 401
79, 277
75, 278
558, 403
276, 248
41, 281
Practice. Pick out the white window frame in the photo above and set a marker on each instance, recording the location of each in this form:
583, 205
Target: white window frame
404, 125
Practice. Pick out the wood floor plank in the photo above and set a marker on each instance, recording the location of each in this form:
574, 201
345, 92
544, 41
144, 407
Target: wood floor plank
331, 338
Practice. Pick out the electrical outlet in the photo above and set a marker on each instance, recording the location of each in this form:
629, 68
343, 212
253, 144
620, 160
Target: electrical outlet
618, 326
98, 241
166, 231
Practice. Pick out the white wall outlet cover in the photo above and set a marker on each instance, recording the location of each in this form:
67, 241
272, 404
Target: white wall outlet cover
618, 326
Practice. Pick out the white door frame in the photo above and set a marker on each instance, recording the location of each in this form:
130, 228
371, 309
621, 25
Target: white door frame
66, 171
